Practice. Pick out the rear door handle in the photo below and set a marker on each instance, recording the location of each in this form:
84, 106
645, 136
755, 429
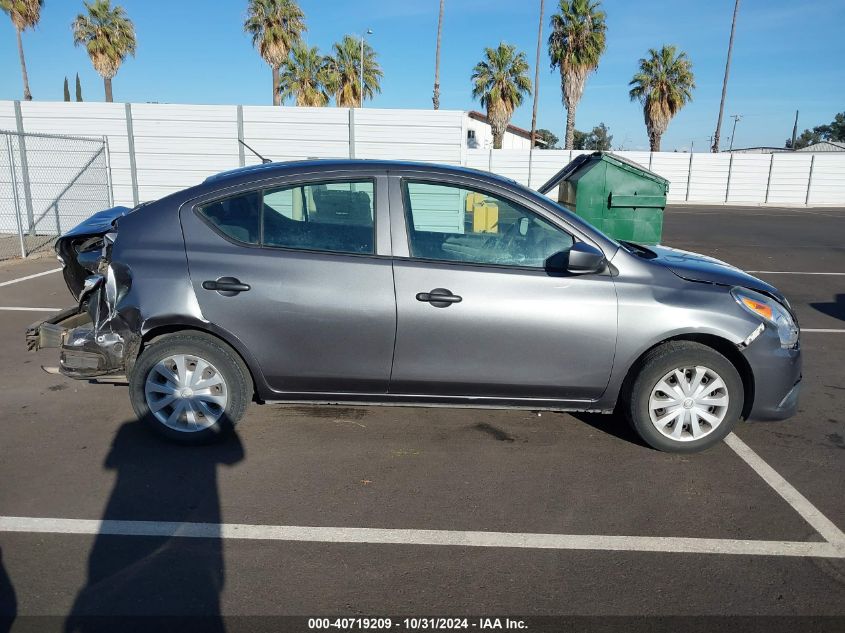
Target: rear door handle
226, 286
439, 297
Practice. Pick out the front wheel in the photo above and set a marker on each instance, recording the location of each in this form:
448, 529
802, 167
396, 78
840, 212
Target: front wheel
191, 388
686, 397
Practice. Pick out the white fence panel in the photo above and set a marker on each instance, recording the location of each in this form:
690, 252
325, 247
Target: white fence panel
177, 146
478, 159
511, 163
673, 166
828, 179
424, 135
7, 115
790, 174
749, 178
709, 178
295, 133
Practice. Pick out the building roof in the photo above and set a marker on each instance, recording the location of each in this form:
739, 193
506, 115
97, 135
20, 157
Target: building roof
513, 129
824, 146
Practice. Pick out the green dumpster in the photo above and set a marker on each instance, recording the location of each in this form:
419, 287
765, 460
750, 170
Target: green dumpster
614, 194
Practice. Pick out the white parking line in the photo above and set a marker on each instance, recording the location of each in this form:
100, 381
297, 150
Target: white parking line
20, 279
383, 536
822, 330
21, 309
788, 272
812, 515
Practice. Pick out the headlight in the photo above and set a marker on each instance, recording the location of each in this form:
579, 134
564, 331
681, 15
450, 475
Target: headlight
769, 310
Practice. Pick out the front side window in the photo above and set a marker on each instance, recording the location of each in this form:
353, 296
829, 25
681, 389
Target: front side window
327, 216
452, 223
331, 216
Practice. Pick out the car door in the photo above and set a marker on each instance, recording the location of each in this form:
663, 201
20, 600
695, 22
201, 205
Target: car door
482, 311
295, 272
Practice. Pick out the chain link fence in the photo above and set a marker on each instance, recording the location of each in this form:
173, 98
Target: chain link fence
48, 184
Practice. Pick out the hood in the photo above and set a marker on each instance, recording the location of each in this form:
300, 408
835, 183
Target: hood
81, 249
696, 267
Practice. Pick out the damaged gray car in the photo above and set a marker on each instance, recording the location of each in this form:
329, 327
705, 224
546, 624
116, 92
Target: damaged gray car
396, 283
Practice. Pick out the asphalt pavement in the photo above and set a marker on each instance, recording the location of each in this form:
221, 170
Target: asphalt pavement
389, 511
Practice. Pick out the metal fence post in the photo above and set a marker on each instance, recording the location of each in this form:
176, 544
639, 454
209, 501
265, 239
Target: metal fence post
769, 181
351, 132
530, 161
241, 155
133, 169
689, 176
17, 204
27, 193
810, 179
109, 183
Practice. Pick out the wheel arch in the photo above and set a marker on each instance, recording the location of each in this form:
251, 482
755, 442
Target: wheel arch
717, 343
158, 331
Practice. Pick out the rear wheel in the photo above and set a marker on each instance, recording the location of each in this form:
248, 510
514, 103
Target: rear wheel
189, 387
686, 397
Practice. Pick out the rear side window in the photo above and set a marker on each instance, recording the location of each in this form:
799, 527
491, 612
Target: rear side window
238, 217
328, 216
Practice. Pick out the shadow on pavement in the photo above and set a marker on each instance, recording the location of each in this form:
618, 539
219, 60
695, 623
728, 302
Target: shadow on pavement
8, 600
134, 576
613, 424
835, 308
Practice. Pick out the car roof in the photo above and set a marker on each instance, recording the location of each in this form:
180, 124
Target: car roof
268, 170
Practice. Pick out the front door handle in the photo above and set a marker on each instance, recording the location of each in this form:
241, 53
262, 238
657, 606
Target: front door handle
439, 297
226, 286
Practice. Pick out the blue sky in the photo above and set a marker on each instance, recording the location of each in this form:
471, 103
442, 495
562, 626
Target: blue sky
787, 56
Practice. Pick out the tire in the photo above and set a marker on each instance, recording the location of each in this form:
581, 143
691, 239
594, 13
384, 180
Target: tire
707, 417
210, 403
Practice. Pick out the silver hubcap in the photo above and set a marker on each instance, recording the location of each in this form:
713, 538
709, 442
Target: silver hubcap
186, 393
688, 403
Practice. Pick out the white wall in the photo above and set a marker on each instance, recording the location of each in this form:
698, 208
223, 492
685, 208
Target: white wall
699, 178
177, 146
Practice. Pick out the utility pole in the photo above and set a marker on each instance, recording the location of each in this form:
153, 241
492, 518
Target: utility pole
737, 118
794, 130
361, 70
537, 77
435, 99
715, 147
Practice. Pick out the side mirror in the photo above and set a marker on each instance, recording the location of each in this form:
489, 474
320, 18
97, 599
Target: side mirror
585, 258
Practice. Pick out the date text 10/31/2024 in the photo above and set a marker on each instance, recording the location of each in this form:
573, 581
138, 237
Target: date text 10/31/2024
416, 624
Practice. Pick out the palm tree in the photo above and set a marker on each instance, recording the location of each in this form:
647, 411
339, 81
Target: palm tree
344, 67
276, 27
500, 81
24, 15
435, 99
108, 36
575, 46
304, 75
664, 84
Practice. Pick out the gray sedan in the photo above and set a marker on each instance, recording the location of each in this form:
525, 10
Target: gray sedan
401, 283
